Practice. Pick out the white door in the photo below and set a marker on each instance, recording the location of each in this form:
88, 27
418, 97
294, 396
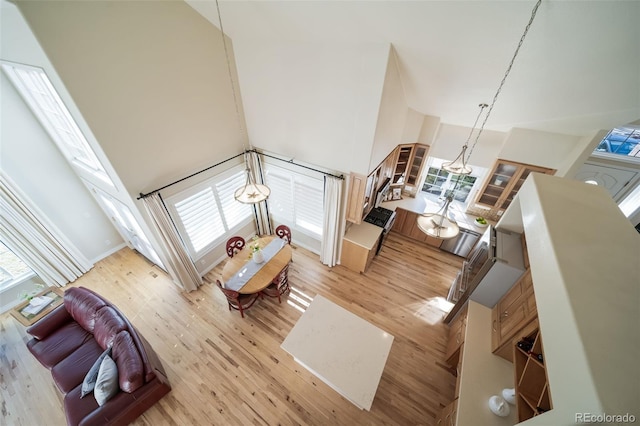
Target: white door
613, 179
127, 225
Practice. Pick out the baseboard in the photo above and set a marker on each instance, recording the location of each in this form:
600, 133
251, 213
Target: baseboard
108, 253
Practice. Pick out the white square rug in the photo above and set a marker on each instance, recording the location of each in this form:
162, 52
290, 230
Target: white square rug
343, 350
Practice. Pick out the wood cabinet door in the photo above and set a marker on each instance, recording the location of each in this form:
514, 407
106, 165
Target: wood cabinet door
355, 201
401, 217
405, 154
415, 167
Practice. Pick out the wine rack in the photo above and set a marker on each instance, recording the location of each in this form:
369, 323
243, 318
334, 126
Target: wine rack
533, 396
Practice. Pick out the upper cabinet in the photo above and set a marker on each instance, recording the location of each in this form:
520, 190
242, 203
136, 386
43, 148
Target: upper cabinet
504, 182
408, 167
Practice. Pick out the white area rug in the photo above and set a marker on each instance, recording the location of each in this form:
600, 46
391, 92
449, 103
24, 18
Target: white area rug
343, 350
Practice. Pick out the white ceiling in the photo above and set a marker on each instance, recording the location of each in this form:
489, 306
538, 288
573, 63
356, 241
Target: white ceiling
578, 70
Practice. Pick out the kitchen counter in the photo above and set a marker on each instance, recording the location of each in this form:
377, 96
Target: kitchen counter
420, 204
483, 374
365, 235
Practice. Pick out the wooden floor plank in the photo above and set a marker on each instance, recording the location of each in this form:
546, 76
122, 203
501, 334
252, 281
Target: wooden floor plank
232, 371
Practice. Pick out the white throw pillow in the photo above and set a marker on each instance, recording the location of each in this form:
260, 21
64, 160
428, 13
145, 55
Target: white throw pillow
107, 382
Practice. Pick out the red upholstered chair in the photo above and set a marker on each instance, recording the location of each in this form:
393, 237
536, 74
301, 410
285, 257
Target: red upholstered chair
284, 232
237, 301
279, 286
234, 245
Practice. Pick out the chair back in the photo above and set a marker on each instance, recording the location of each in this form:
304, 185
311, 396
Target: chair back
284, 232
229, 294
234, 245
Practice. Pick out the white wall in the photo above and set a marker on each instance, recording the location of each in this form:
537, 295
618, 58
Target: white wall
33, 161
392, 116
150, 79
544, 149
317, 103
412, 126
450, 139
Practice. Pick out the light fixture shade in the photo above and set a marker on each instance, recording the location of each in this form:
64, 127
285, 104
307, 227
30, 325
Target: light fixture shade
251, 192
438, 226
459, 165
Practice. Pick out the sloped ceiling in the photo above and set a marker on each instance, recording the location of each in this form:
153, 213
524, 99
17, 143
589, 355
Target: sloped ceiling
578, 70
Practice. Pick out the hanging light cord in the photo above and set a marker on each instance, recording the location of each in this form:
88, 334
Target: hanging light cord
495, 97
233, 86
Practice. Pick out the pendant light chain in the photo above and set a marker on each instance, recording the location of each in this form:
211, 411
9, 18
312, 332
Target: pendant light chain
495, 97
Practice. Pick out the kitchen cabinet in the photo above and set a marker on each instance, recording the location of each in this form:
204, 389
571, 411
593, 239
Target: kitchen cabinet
512, 313
503, 184
355, 201
447, 416
457, 330
533, 396
408, 166
407, 224
359, 246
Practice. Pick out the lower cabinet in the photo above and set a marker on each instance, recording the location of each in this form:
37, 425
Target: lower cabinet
407, 224
457, 330
448, 414
512, 313
532, 386
356, 257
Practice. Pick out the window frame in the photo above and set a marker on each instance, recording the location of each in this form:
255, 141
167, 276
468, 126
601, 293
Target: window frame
449, 182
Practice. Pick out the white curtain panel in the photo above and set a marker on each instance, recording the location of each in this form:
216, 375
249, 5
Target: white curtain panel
178, 263
331, 234
27, 232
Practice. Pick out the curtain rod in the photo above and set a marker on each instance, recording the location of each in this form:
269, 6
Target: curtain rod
187, 177
141, 196
296, 164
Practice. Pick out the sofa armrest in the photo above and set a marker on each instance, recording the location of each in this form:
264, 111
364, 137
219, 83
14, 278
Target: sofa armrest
50, 323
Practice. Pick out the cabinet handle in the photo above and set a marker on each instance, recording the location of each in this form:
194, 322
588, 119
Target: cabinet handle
494, 325
458, 336
505, 314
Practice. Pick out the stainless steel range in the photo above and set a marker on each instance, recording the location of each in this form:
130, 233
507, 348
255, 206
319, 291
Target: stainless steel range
384, 218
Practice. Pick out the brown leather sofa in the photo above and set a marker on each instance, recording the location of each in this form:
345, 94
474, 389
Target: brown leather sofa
70, 339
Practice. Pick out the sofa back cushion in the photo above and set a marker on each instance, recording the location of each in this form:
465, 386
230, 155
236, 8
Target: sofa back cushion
108, 324
82, 305
130, 368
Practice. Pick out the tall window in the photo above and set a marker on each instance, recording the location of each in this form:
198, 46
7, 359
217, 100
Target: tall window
296, 200
36, 89
206, 212
12, 268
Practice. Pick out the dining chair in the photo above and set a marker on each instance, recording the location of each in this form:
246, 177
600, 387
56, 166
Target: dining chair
237, 301
279, 285
284, 232
234, 245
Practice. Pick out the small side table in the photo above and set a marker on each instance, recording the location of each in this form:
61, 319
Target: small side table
29, 319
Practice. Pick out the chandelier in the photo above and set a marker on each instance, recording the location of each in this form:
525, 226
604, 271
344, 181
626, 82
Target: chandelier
251, 192
439, 224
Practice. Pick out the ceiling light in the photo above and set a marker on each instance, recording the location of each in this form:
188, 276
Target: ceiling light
439, 224
251, 192
459, 164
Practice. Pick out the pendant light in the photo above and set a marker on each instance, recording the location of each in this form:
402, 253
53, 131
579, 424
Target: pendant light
251, 192
439, 224
459, 164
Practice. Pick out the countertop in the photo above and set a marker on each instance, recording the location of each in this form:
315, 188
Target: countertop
364, 234
483, 374
420, 204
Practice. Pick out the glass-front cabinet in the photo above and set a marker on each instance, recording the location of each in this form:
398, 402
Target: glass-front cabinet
504, 182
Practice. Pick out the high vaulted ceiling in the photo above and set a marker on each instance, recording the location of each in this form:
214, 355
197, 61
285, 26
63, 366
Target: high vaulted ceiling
578, 70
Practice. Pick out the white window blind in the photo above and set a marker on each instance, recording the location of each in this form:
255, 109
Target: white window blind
200, 218
296, 200
233, 211
206, 213
309, 196
281, 198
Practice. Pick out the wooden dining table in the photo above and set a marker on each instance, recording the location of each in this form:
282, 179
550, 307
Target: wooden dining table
268, 271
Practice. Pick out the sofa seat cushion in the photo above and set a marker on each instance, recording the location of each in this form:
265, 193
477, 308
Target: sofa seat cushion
83, 306
108, 323
71, 371
59, 344
76, 408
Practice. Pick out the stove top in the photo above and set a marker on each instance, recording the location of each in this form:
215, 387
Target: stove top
379, 216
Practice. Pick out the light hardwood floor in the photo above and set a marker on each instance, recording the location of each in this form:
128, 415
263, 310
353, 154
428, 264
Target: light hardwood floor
226, 370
